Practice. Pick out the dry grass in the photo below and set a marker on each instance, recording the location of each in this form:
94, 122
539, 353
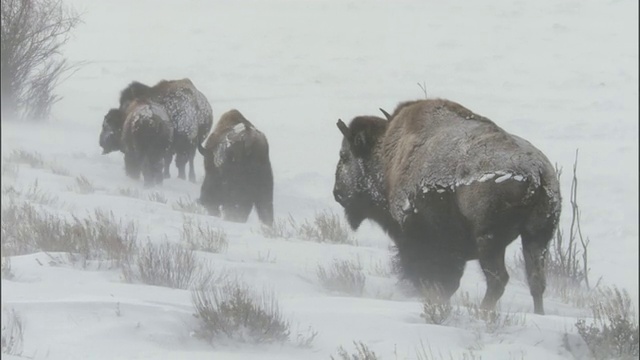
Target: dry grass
324, 227
59, 170
362, 353
10, 170
33, 159
26, 229
83, 185
342, 276
158, 197
12, 333
613, 332
32, 194
201, 236
129, 192
6, 271
234, 312
165, 264
282, 228
189, 205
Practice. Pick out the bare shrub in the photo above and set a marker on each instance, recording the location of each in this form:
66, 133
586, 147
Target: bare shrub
435, 311
26, 229
326, 227
362, 353
12, 333
343, 276
59, 170
189, 205
6, 268
234, 312
201, 236
281, 228
166, 264
32, 194
426, 353
158, 197
423, 87
84, 185
613, 333
33, 34
129, 192
381, 268
32, 159
10, 170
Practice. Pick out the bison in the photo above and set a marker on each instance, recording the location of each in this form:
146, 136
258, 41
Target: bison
237, 170
448, 186
188, 109
144, 133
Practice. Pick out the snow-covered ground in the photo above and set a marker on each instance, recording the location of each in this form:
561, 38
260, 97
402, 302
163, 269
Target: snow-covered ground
562, 74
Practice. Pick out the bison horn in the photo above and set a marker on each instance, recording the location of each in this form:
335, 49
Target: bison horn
344, 129
386, 114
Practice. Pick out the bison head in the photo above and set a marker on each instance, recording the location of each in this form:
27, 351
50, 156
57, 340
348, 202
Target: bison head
110, 136
358, 185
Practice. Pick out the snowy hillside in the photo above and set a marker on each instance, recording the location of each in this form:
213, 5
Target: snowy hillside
562, 74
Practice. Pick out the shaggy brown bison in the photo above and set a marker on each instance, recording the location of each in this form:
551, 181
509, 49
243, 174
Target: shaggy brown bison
188, 109
237, 170
449, 186
144, 133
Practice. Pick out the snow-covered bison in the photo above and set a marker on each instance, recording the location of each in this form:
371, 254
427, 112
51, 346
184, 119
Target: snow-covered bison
237, 170
449, 186
144, 133
188, 110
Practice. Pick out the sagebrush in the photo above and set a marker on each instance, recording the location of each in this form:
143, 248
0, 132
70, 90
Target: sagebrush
27, 229
343, 276
613, 332
234, 312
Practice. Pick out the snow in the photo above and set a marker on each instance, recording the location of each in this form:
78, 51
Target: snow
563, 75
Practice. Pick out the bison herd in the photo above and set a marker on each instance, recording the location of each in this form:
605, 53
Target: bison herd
446, 184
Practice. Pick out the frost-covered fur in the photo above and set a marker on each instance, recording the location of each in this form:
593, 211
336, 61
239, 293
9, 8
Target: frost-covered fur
188, 109
237, 170
449, 186
144, 133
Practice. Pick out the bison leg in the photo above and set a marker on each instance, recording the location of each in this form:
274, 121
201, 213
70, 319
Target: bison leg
132, 165
534, 253
167, 162
181, 162
491, 255
264, 195
192, 171
438, 276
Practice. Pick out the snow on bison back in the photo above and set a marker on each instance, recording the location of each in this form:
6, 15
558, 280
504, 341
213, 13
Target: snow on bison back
449, 186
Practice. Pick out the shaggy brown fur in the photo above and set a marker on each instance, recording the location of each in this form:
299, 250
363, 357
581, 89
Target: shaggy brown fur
449, 186
238, 172
188, 109
144, 133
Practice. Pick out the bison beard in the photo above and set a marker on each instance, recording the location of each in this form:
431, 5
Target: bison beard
449, 186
